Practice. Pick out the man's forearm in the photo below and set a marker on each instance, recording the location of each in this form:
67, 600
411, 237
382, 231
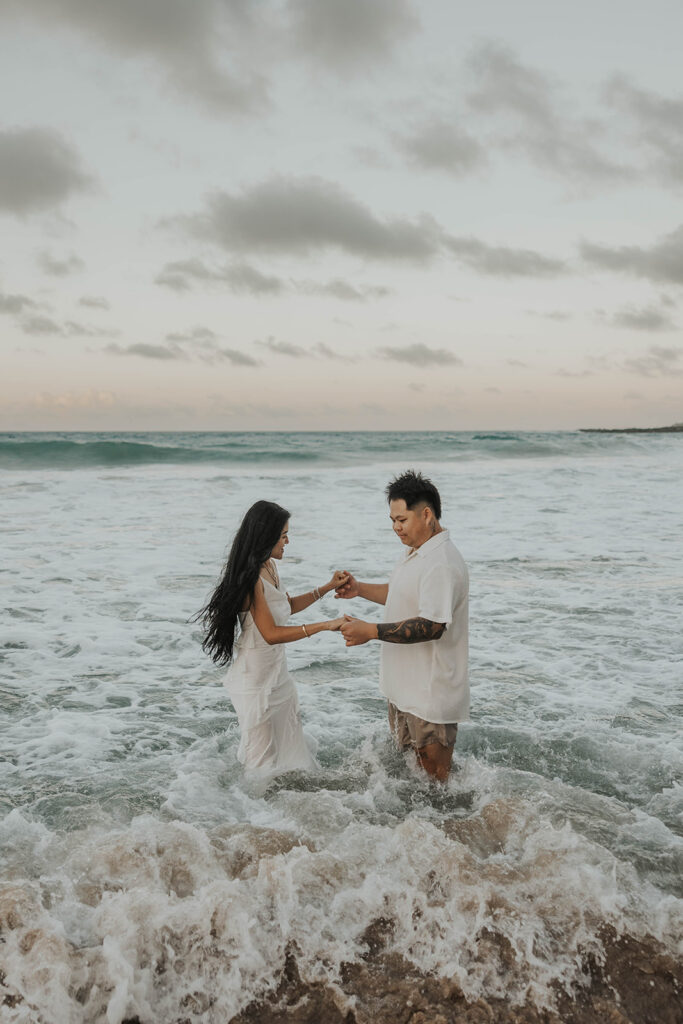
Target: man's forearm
376, 592
410, 631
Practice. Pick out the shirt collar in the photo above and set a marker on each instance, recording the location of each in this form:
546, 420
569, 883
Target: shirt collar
429, 545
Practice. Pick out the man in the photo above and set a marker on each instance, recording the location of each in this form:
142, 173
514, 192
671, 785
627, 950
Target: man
423, 665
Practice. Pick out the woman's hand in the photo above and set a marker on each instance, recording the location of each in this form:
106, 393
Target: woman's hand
348, 588
339, 579
335, 624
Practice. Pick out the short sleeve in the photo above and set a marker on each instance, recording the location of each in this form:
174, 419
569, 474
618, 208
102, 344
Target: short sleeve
441, 590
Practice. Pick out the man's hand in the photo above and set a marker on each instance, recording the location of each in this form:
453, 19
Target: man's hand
357, 631
350, 588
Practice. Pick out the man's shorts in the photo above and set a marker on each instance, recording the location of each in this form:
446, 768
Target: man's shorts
411, 731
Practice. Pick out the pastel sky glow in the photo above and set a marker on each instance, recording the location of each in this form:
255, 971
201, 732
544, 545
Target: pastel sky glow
340, 214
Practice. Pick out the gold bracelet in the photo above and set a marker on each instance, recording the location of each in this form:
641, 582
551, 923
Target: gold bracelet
306, 633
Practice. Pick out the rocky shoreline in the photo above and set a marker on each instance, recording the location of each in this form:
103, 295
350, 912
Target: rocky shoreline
636, 982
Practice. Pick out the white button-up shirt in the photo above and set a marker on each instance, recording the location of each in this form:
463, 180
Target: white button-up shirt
429, 679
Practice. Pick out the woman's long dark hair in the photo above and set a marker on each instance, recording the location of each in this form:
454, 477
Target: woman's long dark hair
258, 534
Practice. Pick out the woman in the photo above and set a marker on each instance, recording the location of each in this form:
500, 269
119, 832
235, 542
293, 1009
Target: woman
260, 687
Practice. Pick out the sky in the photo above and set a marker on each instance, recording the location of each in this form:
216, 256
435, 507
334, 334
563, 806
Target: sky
340, 214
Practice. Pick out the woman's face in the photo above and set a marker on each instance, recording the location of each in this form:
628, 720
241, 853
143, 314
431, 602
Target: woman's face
279, 549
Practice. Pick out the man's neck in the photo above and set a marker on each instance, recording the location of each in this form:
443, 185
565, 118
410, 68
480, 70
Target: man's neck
437, 529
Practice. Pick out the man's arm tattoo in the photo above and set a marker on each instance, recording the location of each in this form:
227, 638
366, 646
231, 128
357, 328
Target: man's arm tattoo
410, 631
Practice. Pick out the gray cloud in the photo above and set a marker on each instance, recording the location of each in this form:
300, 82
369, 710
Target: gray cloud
549, 137
93, 302
146, 351
661, 262
244, 278
305, 215
659, 362
183, 39
501, 261
647, 318
15, 304
72, 329
201, 334
38, 170
340, 34
206, 345
420, 355
440, 146
324, 350
40, 325
299, 216
339, 289
179, 274
237, 358
550, 314
658, 123
283, 348
60, 267
239, 277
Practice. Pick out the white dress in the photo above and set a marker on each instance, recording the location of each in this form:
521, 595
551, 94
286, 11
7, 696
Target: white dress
265, 698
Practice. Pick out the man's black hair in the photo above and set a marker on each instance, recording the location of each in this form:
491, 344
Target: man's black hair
414, 488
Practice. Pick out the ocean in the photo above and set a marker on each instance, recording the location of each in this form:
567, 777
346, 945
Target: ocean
145, 879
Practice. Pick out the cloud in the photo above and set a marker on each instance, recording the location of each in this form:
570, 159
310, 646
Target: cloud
15, 304
244, 278
550, 314
420, 355
341, 34
339, 289
647, 318
239, 277
283, 348
550, 138
146, 351
60, 267
93, 302
187, 41
72, 329
40, 325
658, 123
326, 352
206, 344
500, 261
300, 216
38, 170
659, 362
236, 357
200, 334
661, 262
440, 146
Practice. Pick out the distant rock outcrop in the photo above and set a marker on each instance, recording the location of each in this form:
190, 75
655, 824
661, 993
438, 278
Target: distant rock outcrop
675, 428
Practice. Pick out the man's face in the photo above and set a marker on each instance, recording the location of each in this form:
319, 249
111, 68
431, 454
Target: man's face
412, 526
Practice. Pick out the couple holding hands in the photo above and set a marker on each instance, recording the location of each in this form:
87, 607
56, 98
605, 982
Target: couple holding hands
423, 665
